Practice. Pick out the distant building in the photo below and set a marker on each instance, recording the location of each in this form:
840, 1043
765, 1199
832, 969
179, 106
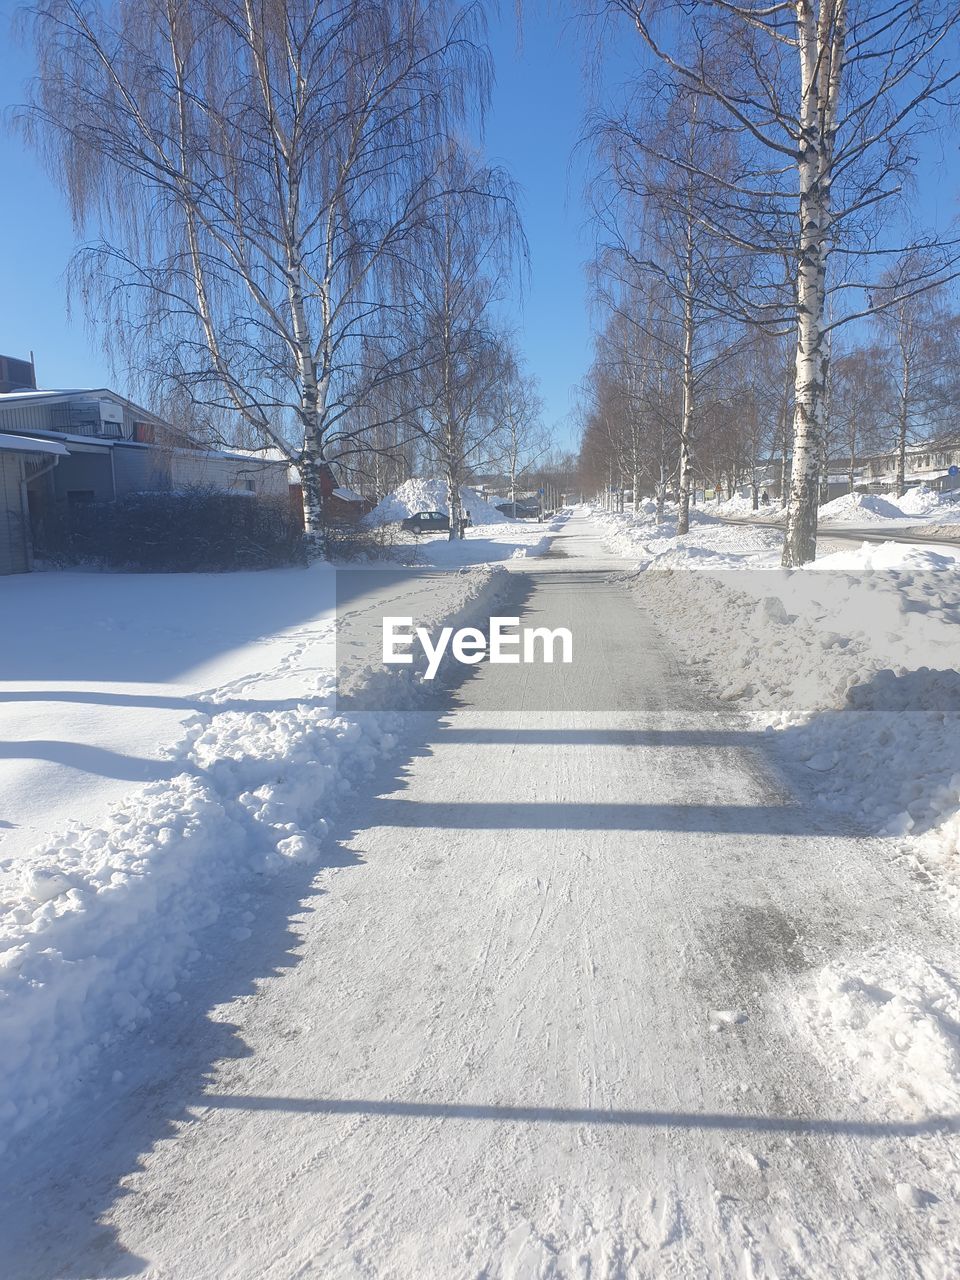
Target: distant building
926, 463
106, 447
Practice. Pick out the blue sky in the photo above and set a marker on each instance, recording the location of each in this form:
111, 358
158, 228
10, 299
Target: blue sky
532, 130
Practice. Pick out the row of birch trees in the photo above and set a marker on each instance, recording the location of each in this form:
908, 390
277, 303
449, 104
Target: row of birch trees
753, 198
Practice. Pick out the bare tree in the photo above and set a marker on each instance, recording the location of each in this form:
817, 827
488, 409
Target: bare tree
656, 211
256, 170
862, 400
464, 258
521, 441
830, 94
909, 324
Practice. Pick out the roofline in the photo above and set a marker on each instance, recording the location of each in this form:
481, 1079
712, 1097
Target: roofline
48, 394
114, 442
14, 443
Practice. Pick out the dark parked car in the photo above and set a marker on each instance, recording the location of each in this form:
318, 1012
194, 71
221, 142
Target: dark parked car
520, 510
432, 522
427, 522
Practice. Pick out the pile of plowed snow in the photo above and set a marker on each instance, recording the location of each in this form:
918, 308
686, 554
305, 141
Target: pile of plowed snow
860, 506
431, 495
922, 501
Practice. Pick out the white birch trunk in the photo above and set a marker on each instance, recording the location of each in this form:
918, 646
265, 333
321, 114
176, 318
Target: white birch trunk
821, 44
687, 420
902, 429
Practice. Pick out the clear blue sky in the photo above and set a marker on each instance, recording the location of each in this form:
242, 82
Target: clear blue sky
532, 130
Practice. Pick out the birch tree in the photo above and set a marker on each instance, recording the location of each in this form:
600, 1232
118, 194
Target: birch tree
467, 255
655, 212
909, 325
521, 440
830, 94
254, 171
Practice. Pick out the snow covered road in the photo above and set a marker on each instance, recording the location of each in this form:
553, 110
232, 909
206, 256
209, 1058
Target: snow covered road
537, 1018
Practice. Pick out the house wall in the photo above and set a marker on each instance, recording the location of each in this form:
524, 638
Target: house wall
88, 473
14, 536
140, 470
26, 417
239, 474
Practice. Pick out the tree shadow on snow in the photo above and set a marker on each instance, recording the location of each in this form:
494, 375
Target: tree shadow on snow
62, 1179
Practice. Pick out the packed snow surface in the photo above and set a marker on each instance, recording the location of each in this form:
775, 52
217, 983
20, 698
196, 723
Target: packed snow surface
431, 495
102, 920
848, 668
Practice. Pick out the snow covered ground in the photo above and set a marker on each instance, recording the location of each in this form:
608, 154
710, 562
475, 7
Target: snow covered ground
569, 996
600, 972
166, 738
717, 542
919, 506
849, 668
430, 494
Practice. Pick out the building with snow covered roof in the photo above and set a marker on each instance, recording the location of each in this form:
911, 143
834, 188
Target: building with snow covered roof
108, 447
22, 460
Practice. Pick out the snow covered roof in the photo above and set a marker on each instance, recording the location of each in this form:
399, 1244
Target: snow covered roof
30, 444
269, 454
347, 495
96, 443
7, 396
52, 396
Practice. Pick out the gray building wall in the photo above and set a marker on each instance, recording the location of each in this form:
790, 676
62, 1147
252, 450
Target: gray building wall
14, 531
140, 470
245, 475
25, 417
86, 473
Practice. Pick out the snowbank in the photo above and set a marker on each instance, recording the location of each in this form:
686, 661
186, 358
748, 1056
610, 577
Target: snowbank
920, 501
851, 673
859, 508
107, 919
711, 544
850, 663
431, 495
739, 507
889, 1021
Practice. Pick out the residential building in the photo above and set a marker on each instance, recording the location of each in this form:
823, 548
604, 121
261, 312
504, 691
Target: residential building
107, 447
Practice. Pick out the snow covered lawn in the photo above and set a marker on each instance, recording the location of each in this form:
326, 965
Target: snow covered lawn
917, 508
167, 738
